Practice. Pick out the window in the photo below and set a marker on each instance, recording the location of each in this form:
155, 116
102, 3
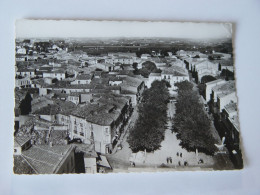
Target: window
15, 150
164, 76
169, 76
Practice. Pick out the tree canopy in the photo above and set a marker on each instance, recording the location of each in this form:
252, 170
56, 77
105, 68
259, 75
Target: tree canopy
149, 129
25, 105
191, 123
147, 68
207, 78
227, 74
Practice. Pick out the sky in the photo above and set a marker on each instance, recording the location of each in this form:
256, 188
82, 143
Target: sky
113, 29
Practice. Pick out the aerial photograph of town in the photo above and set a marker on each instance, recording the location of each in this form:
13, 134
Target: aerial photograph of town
119, 104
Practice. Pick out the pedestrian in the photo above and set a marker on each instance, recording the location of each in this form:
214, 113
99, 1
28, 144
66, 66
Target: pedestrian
179, 163
133, 164
167, 159
181, 155
177, 154
171, 160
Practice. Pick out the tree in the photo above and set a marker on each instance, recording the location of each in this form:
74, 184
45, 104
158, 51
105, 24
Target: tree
147, 68
227, 74
197, 56
191, 123
25, 105
219, 67
135, 65
210, 58
148, 131
207, 78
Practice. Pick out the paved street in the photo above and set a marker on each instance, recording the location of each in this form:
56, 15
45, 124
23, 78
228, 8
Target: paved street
169, 148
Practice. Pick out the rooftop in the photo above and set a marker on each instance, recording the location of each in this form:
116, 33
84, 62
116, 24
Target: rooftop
229, 86
98, 114
84, 77
173, 71
234, 120
215, 82
131, 81
21, 140
155, 75
45, 159
21, 166
56, 108
231, 107
225, 62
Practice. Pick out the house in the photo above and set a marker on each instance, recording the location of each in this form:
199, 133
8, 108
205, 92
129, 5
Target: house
20, 57
204, 68
23, 83
145, 56
221, 55
45, 159
48, 112
225, 88
96, 163
225, 98
225, 64
120, 60
174, 75
229, 118
133, 86
152, 78
25, 72
190, 62
90, 164
105, 66
121, 54
187, 53
21, 143
74, 97
55, 74
177, 63
86, 97
115, 81
210, 85
98, 123
93, 124
83, 79
21, 51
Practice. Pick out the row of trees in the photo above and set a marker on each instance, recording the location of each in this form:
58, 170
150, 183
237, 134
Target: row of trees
191, 123
148, 132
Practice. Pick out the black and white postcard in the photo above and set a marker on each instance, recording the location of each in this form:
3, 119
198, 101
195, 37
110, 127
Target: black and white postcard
124, 96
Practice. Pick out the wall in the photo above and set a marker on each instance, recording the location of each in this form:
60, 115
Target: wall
67, 164
209, 88
223, 101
